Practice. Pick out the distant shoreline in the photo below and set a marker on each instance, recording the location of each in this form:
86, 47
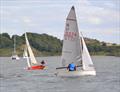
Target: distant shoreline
60, 56
47, 45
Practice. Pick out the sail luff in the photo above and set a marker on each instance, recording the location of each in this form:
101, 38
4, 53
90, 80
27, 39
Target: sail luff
32, 57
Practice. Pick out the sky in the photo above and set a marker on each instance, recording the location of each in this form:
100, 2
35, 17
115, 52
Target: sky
97, 19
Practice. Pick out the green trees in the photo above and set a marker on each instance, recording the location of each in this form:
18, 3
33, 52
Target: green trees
5, 41
5, 35
104, 50
44, 44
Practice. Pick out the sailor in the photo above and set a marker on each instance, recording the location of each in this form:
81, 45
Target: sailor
71, 67
43, 62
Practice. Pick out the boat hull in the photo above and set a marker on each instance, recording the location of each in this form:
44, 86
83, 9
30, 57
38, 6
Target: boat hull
36, 67
66, 73
15, 58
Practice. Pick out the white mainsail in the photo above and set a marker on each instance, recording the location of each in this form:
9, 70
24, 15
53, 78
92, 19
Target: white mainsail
32, 57
71, 44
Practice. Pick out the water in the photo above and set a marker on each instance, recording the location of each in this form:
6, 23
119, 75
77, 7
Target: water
15, 78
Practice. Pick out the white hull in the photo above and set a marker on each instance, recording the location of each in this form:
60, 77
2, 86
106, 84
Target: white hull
15, 57
66, 73
25, 57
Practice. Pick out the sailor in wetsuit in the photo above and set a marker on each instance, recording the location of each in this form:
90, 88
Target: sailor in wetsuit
71, 67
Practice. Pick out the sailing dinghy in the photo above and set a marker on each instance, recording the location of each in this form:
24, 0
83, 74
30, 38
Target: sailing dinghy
14, 55
31, 61
74, 50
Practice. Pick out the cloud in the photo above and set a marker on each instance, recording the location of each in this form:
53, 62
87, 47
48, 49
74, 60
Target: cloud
95, 20
26, 20
108, 35
47, 16
97, 14
92, 20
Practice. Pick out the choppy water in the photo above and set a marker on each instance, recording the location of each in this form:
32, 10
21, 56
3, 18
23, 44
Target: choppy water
14, 78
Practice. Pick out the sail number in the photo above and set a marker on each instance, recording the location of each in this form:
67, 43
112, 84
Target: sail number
70, 35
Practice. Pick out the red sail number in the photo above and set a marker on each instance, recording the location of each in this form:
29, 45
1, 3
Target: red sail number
70, 35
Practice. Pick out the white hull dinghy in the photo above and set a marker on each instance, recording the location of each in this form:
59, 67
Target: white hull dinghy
14, 55
74, 50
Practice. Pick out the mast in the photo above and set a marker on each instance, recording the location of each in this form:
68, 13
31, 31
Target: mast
14, 44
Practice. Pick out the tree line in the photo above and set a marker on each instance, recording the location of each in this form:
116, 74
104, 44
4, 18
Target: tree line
44, 45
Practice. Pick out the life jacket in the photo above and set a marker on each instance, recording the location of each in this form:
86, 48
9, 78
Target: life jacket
72, 67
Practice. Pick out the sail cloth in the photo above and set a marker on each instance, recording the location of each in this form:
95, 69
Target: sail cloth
86, 59
28, 60
32, 57
71, 44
